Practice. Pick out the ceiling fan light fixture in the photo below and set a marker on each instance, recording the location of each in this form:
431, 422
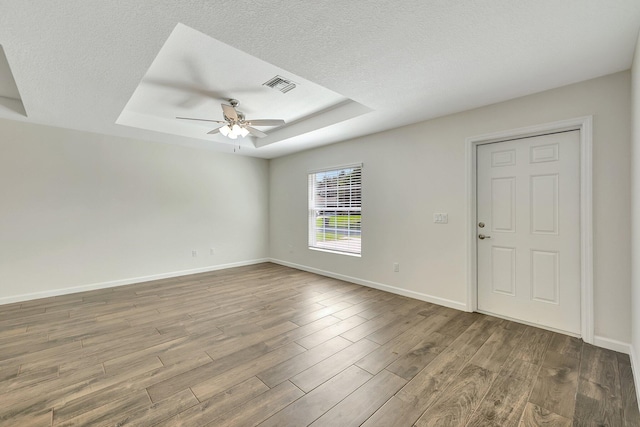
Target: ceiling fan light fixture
232, 135
225, 130
244, 132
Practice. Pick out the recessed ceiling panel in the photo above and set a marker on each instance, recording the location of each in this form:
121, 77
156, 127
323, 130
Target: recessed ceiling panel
193, 74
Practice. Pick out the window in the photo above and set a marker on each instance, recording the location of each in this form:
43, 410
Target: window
335, 203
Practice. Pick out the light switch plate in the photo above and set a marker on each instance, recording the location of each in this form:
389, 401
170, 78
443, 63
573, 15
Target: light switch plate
441, 218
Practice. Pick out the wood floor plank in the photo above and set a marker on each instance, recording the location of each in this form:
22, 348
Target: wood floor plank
444, 368
497, 349
566, 345
312, 405
36, 349
260, 407
325, 334
408, 365
162, 410
101, 396
597, 405
458, 322
398, 347
300, 332
86, 390
557, 384
395, 328
370, 326
475, 336
113, 413
31, 419
321, 372
535, 416
162, 390
432, 380
221, 403
87, 329
205, 349
25, 379
533, 346
41, 397
9, 372
396, 304
600, 366
394, 413
504, 403
211, 386
289, 368
362, 403
34, 319
456, 404
363, 307
318, 314
12, 332
226, 346
630, 414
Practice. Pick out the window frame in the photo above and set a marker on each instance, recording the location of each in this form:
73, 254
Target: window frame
313, 208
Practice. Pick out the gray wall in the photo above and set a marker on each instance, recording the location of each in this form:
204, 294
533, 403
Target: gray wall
411, 172
81, 209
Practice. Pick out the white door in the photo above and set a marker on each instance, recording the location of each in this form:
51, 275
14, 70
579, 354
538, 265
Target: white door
528, 195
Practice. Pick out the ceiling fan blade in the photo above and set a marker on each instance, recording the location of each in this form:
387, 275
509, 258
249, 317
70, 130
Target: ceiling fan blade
230, 112
216, 130
266, 122
255, 132
200, 120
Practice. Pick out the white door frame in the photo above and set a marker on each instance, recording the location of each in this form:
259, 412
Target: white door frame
584, 125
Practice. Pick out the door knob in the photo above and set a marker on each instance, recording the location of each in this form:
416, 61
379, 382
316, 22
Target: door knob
482, 237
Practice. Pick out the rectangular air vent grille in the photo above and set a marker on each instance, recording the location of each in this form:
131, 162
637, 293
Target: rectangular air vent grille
280, 83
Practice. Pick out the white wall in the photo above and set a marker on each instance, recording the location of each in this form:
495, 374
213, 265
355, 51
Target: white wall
78, 209
411, 172
635, 212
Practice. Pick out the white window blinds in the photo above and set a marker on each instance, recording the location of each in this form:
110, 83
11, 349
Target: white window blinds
335, 209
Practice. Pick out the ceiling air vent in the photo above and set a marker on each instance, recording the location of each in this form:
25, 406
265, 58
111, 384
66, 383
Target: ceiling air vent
280, 83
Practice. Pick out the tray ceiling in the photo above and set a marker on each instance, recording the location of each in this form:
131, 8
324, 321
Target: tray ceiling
194, 73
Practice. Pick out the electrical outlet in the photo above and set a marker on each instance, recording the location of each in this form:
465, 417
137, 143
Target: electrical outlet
194, 253
212, 251
396, 267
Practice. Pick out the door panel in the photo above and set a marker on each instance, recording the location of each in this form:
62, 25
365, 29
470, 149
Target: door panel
544, 276
503, 204
544, 204
528, 195
503, 270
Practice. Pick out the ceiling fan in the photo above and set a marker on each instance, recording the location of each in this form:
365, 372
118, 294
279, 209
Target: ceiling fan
235, 124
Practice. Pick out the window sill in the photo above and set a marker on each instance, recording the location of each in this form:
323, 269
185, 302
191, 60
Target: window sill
335, 252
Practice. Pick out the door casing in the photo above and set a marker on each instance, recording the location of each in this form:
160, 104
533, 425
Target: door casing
584, 125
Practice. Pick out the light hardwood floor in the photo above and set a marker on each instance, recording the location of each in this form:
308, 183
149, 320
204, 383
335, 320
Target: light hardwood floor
273, 346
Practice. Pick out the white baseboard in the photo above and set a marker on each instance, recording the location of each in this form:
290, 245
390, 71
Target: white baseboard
609, 344
388, 288
121, 282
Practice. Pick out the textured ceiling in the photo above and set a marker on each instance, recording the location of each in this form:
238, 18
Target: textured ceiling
77, 63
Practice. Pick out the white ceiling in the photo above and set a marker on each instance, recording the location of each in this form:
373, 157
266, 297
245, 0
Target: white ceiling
77, 63
184, 82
